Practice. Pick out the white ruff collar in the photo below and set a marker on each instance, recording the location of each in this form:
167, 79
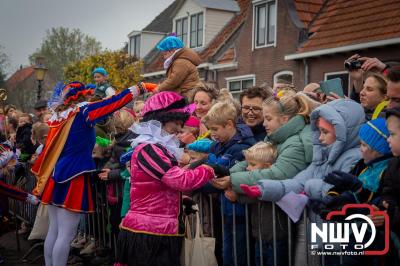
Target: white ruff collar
61, 116
151, 132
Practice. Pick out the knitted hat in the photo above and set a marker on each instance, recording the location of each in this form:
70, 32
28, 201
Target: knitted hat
193, 122
101, 71
322, 123
202, 145
170, 43
375, 133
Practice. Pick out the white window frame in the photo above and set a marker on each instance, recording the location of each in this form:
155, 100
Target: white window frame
239, 78
254, 43
133, 39
283, 72
196, 15
188, 28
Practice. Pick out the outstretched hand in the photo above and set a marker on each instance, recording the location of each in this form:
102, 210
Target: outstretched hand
221, 183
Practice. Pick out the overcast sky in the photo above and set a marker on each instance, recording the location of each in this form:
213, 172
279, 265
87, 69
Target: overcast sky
23, 23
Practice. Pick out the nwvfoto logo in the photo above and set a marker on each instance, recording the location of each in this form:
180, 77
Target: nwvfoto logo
333, 234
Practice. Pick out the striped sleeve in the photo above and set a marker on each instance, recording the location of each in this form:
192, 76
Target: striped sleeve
155, 160
99, 110
12, 192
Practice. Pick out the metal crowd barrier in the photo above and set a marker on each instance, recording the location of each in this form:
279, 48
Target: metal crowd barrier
95, 226
22, 210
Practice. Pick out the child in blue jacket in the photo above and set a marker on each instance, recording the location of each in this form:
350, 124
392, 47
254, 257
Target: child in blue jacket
230, 141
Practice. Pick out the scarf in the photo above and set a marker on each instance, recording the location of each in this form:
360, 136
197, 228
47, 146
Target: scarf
371, 176
151, 132
169, 60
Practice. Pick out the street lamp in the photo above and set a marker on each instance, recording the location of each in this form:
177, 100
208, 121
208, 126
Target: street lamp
40, 72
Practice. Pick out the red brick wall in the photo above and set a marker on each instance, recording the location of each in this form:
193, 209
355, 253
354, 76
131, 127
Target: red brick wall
265, 62
320, 65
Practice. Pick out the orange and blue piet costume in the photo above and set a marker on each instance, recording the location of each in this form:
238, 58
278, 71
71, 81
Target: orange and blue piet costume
63, 168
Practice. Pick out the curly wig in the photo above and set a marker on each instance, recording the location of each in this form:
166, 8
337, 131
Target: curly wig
164, 116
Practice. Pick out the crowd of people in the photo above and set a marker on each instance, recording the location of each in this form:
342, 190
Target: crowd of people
166, 146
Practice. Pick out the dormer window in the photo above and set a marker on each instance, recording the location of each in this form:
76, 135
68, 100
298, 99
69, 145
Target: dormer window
134, 44
196, 30
181, 26
264, 29
191, 30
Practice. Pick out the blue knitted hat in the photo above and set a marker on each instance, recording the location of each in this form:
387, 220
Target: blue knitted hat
100, 70
202, 145
170, 43
375, 133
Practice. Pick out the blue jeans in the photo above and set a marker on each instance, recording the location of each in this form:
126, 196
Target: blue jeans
228, 252
268, 253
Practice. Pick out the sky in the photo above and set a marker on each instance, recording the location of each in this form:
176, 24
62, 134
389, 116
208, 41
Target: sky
23, 23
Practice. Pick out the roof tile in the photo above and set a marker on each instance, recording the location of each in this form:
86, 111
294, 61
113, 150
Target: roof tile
342, 23
308, 9
18, 77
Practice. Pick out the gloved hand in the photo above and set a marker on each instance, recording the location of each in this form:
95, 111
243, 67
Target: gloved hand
219, 170
251, 191
147, 87
319, 207
337, 202
343, 181
331, 203
189, 206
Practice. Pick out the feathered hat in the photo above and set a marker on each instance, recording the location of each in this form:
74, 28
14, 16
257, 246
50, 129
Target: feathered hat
63, 94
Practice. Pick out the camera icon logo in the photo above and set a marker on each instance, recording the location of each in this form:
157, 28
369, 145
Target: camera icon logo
356, 232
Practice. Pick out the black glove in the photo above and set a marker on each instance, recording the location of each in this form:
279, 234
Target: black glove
219, 170
343, 181
337, 202
319, 207
189, 206
331, 203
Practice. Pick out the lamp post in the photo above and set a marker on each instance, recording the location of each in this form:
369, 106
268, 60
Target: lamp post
40, 72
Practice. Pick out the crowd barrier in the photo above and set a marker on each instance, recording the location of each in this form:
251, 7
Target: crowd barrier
95, 226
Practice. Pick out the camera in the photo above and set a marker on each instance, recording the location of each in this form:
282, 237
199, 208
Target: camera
353, 65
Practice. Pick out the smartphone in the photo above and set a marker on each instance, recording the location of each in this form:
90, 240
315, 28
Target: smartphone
332, 85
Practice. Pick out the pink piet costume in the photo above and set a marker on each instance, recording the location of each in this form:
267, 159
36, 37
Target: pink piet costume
152, 229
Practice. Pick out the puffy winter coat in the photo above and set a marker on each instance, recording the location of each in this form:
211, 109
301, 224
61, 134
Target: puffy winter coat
157, 184
346, 116
182, 74
293, 142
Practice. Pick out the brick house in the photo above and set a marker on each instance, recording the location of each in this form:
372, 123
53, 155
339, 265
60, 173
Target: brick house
343, 28
255, 42
22, 88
